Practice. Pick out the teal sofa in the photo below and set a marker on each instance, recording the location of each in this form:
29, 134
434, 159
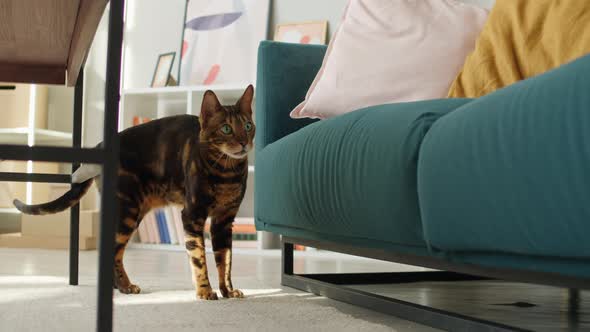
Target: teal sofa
497, 186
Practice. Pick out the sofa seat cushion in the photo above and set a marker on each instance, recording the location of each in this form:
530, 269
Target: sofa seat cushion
510, 172
352, 175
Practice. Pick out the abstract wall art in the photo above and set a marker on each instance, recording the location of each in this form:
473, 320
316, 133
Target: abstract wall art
220, 41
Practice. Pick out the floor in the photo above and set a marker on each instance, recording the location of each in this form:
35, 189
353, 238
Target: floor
34, 296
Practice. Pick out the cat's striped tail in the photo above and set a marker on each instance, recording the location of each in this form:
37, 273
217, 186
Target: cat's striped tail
64, 202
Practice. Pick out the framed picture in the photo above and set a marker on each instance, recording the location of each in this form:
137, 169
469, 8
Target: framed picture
163, 68
302, 33
220, 41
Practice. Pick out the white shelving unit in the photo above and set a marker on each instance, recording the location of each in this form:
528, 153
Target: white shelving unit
154, 103
26, 120
20, 136
160, 102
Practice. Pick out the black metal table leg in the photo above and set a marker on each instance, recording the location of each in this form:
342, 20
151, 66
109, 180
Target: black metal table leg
35, 177
56, 154
109, 204
75, 210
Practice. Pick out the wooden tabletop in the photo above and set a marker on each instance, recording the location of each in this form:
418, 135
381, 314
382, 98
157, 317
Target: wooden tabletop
46, 41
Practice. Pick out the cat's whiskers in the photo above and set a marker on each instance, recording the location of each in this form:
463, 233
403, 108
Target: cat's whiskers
216, 162
235, 165
230, 161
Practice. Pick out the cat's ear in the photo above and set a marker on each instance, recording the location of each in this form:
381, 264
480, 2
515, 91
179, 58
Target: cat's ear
245, 101
209, 106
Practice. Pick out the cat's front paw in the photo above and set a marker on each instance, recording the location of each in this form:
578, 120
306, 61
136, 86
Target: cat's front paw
236, 293
129, 289
232, 294
206, 294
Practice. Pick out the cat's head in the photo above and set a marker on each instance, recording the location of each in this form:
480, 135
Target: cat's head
229, 129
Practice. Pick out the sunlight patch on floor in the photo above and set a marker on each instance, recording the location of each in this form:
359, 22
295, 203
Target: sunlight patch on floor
181, 296
29, 294
32, 280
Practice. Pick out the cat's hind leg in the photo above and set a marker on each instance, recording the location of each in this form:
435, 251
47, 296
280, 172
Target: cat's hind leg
128, 223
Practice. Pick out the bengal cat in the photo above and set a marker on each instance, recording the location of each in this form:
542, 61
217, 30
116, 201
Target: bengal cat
197, 162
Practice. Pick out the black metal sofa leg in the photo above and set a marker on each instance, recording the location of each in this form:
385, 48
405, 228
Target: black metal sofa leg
333, 286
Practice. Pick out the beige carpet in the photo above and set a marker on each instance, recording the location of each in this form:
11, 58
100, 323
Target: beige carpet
33, 300
34, 296
45, 304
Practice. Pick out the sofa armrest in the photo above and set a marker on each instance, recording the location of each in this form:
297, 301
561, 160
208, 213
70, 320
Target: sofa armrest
285, 72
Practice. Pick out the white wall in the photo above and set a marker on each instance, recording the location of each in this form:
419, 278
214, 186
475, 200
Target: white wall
60, 108
289, 11
94, 84
151, 29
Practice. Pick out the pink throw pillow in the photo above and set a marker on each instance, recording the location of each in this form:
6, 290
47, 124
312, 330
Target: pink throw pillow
389, 51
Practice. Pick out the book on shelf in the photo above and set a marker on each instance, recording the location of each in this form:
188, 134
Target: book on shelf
164, 226
236, 237
139, 120
177, 220
147, 221
145, 230
142, 233
170, 225
159, 228
153, 226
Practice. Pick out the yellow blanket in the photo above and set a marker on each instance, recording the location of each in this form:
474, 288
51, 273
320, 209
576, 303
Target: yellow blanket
524, 38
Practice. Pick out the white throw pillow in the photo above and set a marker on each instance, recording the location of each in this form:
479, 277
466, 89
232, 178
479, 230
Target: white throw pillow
388, 51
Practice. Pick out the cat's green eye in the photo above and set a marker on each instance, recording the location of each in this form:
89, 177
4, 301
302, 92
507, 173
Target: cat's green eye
248, 126
226, 129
